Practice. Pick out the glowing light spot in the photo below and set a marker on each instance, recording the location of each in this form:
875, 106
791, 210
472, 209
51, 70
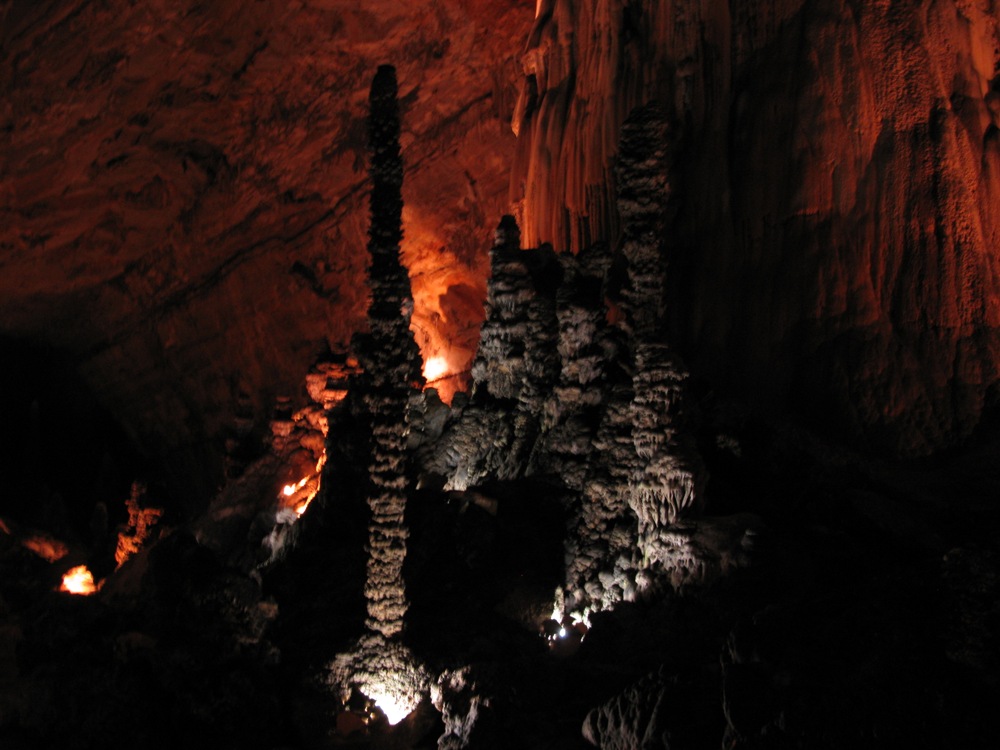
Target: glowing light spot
435, 368
562, 632
137, 531
301, 493
79, 580
395, 707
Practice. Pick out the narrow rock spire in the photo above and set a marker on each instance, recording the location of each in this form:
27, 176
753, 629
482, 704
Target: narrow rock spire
391, 362
380, 665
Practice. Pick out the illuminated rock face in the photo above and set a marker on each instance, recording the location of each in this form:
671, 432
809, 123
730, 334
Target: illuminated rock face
834, 244
182, 192
607, 425
183, 212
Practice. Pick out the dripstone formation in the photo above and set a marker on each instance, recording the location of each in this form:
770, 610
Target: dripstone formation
391, 363
380, 666
591, 400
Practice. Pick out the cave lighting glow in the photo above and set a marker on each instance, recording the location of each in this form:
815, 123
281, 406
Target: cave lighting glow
299, 495
435, 368
396, 707
78, 580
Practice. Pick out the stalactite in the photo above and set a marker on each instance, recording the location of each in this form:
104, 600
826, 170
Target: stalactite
568, 125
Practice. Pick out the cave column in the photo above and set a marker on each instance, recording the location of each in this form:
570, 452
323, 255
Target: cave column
380, 665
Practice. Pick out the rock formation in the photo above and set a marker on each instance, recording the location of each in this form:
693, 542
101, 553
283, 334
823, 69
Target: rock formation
860, 286
390, 364
380, 666
607, 423
795, 198
182, 192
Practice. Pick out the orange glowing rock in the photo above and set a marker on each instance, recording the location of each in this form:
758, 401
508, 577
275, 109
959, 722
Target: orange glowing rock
46, 547
140, 524
435, 367
79, 580
300, 494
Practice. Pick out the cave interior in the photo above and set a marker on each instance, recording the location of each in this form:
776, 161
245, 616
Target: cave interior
495, 373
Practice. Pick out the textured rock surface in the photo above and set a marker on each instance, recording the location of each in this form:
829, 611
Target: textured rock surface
181, 188
182, 192
657, 713
391, 365
837, 195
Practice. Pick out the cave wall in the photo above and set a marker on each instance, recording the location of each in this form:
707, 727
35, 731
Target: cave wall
834, 240
183, 192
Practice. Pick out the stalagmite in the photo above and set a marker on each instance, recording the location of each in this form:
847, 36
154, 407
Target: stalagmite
391, 363
644, 473
380, 666
672, 478
573, 407
514, 368
499, 367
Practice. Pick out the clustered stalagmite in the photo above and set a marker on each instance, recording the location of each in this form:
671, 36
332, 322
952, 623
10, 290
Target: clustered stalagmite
573, 385
591, 401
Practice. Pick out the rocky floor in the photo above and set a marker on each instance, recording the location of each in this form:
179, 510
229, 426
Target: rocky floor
868, 618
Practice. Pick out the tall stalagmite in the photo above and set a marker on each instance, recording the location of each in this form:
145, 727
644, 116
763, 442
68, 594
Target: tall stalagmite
391, 363
380, 666
672, 474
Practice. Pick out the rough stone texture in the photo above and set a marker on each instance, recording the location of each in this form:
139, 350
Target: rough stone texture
383, 670
660, 712
182, 193
499, 367
181, 190
391, 365
601, 418
464, 700
836, 231
573, 406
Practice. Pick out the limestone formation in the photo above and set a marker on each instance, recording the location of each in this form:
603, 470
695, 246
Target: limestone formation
572, 409
513, 371
463, 696
840, 196
662, 711
391, 364
383, 670
192, 176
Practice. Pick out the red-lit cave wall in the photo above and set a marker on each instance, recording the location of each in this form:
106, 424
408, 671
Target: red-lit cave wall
837, 192
183, 191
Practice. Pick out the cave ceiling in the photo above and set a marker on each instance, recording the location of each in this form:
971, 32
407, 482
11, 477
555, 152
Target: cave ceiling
183, 189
